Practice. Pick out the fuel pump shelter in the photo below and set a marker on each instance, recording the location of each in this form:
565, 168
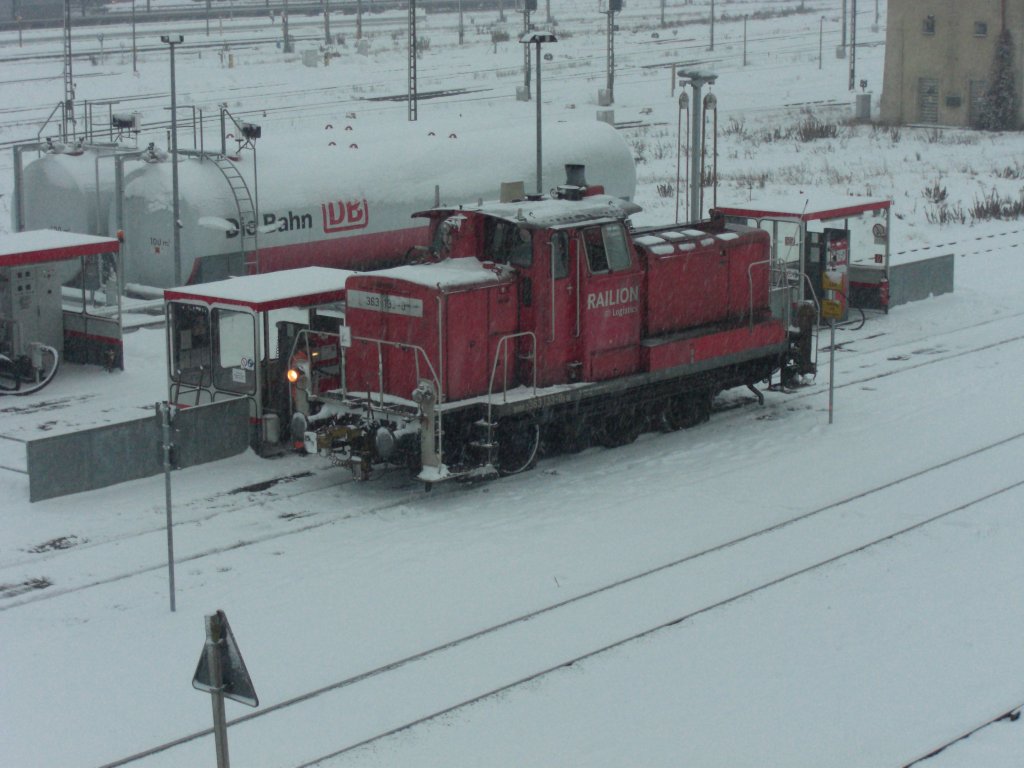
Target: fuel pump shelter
803, 226
231, 338
32, 313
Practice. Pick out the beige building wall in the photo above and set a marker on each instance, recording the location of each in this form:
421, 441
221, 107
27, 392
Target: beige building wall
938, 58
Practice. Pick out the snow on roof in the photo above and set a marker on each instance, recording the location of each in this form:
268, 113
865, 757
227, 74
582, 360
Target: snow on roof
649, 240
303, 287
548, 212
460, 164
43, 245
450, 273
812, 205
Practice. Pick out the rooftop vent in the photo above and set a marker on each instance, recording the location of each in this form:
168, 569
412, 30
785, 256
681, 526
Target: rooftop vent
512, 191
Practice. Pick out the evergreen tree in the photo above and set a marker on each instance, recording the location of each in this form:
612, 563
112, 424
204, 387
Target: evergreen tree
999, 110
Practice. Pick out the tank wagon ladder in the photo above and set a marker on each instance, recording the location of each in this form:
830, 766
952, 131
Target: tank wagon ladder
247, 225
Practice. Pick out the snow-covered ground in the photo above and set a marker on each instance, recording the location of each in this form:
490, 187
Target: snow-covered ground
765, 589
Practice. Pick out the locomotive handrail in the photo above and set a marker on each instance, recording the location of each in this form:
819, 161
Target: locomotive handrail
418, 350
750, 286
303, 337
503, 342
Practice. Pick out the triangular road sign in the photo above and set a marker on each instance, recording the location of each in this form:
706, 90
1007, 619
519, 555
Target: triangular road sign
235, 682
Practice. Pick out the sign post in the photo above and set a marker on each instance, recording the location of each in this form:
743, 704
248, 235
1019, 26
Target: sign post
221, 672
166, 415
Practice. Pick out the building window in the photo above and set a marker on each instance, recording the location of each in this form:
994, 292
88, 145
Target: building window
928, 26
980, 29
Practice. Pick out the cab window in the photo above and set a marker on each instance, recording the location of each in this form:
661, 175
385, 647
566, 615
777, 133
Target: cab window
234, 342
192, 344
560, 255
607, 248
507, 243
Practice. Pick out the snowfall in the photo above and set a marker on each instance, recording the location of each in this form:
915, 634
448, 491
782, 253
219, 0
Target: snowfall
767, 589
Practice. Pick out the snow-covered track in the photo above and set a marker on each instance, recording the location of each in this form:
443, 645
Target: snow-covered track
284, 506
1011, 713
549, 639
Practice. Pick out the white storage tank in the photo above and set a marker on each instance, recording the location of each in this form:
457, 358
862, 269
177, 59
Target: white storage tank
348, 204
72, 192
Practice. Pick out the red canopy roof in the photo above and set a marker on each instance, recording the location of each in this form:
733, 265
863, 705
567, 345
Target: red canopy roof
43, 245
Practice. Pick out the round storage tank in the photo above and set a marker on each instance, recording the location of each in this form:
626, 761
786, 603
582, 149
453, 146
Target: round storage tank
348, 204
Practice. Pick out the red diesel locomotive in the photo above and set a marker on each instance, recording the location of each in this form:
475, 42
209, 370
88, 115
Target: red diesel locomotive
542, 324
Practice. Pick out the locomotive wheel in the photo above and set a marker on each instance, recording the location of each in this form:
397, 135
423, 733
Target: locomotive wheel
685, 411
518, 441
569, 435
619, 428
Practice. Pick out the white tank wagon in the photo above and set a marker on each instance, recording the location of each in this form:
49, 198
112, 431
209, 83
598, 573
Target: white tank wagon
70, 188
342, 206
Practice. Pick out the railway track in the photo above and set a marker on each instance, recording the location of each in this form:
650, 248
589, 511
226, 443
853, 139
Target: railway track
985, 462
216, 508
634, 59
653, 600
1011, 714
326, 481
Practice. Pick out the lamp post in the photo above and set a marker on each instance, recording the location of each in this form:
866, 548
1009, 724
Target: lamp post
537, 38
821, 38
173, 41
684, 104
697, 79
712, 26
135, 52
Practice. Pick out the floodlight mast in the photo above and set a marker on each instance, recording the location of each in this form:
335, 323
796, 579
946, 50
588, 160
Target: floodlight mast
697, 81
537, 38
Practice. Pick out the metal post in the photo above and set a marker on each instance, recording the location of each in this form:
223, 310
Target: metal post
214, 638
135, 52
526, 54
164, 409
853, 44
69, 79
539, 142
175, 203
744, 40
359, 19
413, 107
821, 39
684, 103
842, 39
208, 18
610, 81
696, 172
284, 28
327, 22
462, 31
831, 367
712, 28
537, 38
256, 204
224, 130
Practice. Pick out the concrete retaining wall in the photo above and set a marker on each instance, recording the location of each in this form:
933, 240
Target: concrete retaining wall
115, 453
918, 280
